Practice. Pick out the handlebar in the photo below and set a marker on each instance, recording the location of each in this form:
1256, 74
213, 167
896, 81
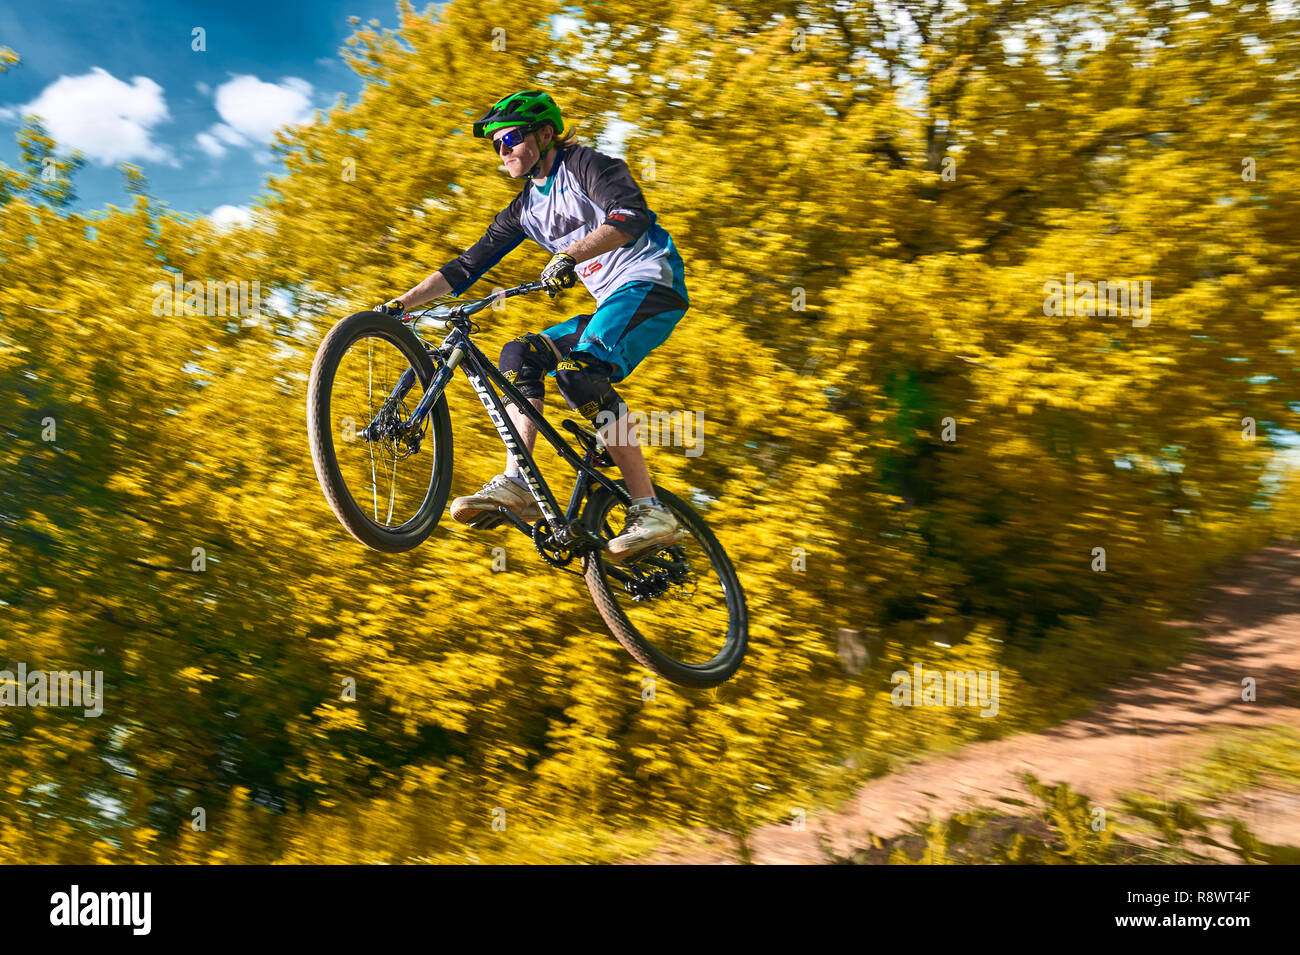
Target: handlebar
444, 316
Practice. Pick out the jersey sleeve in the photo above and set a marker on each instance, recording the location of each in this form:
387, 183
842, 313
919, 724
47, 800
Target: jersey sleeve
611, 187
502, 237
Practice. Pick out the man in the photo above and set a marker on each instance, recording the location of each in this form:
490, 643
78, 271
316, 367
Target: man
584, 208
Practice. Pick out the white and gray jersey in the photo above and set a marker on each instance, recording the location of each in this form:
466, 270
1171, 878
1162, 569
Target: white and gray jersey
586, 189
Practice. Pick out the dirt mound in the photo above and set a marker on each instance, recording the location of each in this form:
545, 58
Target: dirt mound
1131, 740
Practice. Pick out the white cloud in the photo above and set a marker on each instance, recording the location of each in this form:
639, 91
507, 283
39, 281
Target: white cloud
255, 109
228, 135
218, 136
108, 120
225, 217
210, 145
203, 88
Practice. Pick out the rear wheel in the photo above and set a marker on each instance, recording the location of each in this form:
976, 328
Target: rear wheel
385, 483
679, 611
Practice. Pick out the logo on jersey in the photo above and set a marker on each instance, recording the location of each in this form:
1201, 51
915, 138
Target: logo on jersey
565, 225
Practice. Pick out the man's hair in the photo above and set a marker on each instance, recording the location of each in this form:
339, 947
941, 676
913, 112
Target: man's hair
561, 143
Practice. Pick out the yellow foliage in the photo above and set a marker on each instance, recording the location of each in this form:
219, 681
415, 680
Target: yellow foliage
902, 443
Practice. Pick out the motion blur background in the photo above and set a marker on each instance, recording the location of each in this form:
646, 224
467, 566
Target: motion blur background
907, 457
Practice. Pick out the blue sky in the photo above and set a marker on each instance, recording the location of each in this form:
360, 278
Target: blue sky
121, 78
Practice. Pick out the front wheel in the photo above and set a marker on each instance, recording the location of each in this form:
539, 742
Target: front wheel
679, 611
386, 482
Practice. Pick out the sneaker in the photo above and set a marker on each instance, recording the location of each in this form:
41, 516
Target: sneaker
480, 510
648, 528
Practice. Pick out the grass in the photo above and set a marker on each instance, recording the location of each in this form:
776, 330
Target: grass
1064, 827
1243, 760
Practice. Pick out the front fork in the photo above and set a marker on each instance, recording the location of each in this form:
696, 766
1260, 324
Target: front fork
437, 385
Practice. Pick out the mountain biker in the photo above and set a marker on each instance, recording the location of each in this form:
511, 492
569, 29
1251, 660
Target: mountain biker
585, 209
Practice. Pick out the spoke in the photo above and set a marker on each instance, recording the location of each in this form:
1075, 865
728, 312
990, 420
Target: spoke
392, 492
370, 386
689, 627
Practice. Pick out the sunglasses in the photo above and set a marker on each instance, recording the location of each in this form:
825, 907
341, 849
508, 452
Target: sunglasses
512, 138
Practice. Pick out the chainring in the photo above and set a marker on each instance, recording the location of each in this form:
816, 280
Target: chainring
550, 552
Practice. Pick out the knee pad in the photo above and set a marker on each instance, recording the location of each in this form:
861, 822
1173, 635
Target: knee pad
524, 360
584, 382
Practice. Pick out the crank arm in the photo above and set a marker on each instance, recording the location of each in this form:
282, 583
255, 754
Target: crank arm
516, 520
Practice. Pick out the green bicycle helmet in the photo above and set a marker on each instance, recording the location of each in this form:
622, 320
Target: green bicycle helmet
528, 108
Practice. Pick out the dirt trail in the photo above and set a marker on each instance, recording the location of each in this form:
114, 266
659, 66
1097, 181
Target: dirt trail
1130, 740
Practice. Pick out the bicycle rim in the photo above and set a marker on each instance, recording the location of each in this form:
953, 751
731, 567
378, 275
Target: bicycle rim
690, 621
387, 472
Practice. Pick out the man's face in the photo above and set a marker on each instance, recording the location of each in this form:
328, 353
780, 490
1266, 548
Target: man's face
519, 159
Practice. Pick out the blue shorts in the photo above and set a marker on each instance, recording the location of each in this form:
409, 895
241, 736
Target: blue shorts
630, 324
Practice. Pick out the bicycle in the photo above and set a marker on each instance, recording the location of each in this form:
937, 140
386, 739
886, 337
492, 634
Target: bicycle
688, 590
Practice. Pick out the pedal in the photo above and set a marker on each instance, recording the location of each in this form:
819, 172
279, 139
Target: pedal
490, 520
486, 521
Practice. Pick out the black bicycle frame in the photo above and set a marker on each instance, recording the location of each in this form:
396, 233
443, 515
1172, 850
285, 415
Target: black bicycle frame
458, 350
